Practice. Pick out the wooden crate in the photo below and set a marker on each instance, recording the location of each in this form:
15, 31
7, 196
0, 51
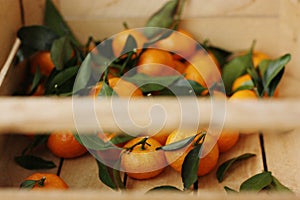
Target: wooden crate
230, 24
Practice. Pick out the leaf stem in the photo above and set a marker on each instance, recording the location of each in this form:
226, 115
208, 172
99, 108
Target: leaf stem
143, 142
41, 182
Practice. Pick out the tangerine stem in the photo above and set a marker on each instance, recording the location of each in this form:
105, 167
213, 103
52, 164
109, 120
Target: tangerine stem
41, 182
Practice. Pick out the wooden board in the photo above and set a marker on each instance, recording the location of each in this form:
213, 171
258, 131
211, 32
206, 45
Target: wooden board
10, 22
14, 174
282, 152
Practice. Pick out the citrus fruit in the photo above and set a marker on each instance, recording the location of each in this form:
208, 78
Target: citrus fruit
244, 80
119, 41
63, 144
42, 59
176, 158
143, 163
180, 42
155, 62
227, 140
179, 66
121, 87
46, 181
258, 56
161, 137
202, 69
243, 94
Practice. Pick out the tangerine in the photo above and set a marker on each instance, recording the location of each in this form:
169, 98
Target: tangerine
176, 158
64, 145
46, 181
143, 161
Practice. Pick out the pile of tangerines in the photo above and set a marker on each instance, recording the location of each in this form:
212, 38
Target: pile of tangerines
177, 53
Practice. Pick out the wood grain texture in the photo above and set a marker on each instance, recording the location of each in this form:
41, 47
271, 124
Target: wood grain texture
12, 174
10, 22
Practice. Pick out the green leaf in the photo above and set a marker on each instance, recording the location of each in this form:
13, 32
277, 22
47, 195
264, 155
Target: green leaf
235, 68
177, 145
257, 182
130, 45
164, 188
37, 38
105, 176
55, 21
32, 162
93, 142
62, 82
36, 80
220, 54
61, 52
229, 190
189, 172
83, 75
163, 18
37, 141
248, 85
117, 175
106, 91
277, 186
224, 167
183, 87
149, 84
119, 139
28, 184
271, 72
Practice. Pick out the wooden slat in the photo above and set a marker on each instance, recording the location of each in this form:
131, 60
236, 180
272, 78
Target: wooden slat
39, 114
93, 9
95, 195
82, 173
12, 174
282, 152
10, 22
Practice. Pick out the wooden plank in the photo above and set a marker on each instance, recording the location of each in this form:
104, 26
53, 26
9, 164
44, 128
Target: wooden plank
10, 22
95, 195
282, 152
34, 11
239, 173
14, 174
82, 173
39, 114
110, 9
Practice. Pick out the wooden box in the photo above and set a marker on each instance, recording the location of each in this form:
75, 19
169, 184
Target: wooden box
230, 24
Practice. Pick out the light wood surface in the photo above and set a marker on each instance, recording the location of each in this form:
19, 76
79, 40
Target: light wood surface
229, 24
85, 114
10, 22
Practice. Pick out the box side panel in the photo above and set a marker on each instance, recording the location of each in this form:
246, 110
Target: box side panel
10, 22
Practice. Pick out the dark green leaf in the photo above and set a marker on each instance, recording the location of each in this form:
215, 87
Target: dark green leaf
189, 172
235, 68
105, 176
62, 79
61, 52
149, 83
164, 188
224, 167
277, 186
272, 71
36, 80
77, 137
28, 184
257, 182
106, 91
55, 21
163, 34
32, 162
117, 175
163, 18
84, 74
220, 54
177, 145
183, 87
130, 45
93, 142
119, 139
229, 190
38, 38
37, 141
